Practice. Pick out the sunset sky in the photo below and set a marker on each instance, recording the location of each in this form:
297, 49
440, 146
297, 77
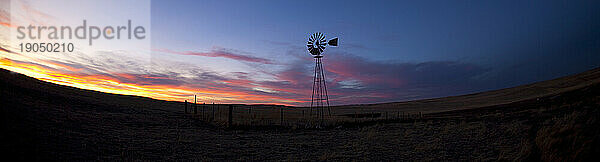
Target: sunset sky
255, 51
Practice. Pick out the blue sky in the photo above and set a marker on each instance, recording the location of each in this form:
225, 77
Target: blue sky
411, 31
512, 42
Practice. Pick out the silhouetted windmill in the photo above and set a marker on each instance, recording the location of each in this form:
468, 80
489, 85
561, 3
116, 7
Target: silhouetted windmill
319, 99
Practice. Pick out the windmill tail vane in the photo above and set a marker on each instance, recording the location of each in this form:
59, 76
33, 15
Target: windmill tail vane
319, 99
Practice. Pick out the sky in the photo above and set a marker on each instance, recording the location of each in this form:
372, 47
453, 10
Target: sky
254, 52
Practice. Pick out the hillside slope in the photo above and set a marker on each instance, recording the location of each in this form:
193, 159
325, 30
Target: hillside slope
551, 120
489, 98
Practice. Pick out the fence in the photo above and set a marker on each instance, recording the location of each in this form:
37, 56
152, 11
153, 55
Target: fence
275, 115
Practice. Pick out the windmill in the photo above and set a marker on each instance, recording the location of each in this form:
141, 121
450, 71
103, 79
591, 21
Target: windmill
319, 99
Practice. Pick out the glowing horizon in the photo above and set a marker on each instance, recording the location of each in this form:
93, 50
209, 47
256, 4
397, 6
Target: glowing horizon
108, 84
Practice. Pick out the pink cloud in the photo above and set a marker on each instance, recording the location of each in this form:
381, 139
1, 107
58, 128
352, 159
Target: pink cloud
223, 54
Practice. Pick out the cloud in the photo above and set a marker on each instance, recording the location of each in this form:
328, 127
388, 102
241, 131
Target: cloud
353, 79
6, 50
209, 86
4, 18
36, 15
223, 53
148, 79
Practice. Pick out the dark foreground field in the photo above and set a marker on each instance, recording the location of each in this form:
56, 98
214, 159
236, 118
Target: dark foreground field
44, 121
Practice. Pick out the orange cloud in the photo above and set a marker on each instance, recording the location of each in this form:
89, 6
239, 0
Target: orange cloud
5, 19
114, 83
6, 24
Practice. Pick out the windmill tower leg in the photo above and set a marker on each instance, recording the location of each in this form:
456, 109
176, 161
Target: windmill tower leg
320, 98
325, 89
312, 97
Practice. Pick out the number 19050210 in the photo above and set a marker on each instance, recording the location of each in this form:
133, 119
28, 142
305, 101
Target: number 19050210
47, 47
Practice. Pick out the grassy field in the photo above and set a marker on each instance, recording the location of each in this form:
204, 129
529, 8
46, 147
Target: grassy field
299, 117
551, 120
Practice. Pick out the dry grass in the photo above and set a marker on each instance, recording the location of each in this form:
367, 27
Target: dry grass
571, 137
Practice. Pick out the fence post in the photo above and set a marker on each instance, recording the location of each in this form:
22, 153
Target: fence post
373, 115
213, 112
230, 119
195, 105
186, 106
402, 116
281, 116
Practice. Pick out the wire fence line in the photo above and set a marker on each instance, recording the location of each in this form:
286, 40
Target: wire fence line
277, 115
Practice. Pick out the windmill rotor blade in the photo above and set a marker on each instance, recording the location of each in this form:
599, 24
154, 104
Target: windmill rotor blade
317, 42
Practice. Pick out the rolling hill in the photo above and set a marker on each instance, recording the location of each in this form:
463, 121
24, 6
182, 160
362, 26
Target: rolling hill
549, 120
490, 98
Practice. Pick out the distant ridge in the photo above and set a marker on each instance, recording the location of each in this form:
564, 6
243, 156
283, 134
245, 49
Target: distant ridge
490, 98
